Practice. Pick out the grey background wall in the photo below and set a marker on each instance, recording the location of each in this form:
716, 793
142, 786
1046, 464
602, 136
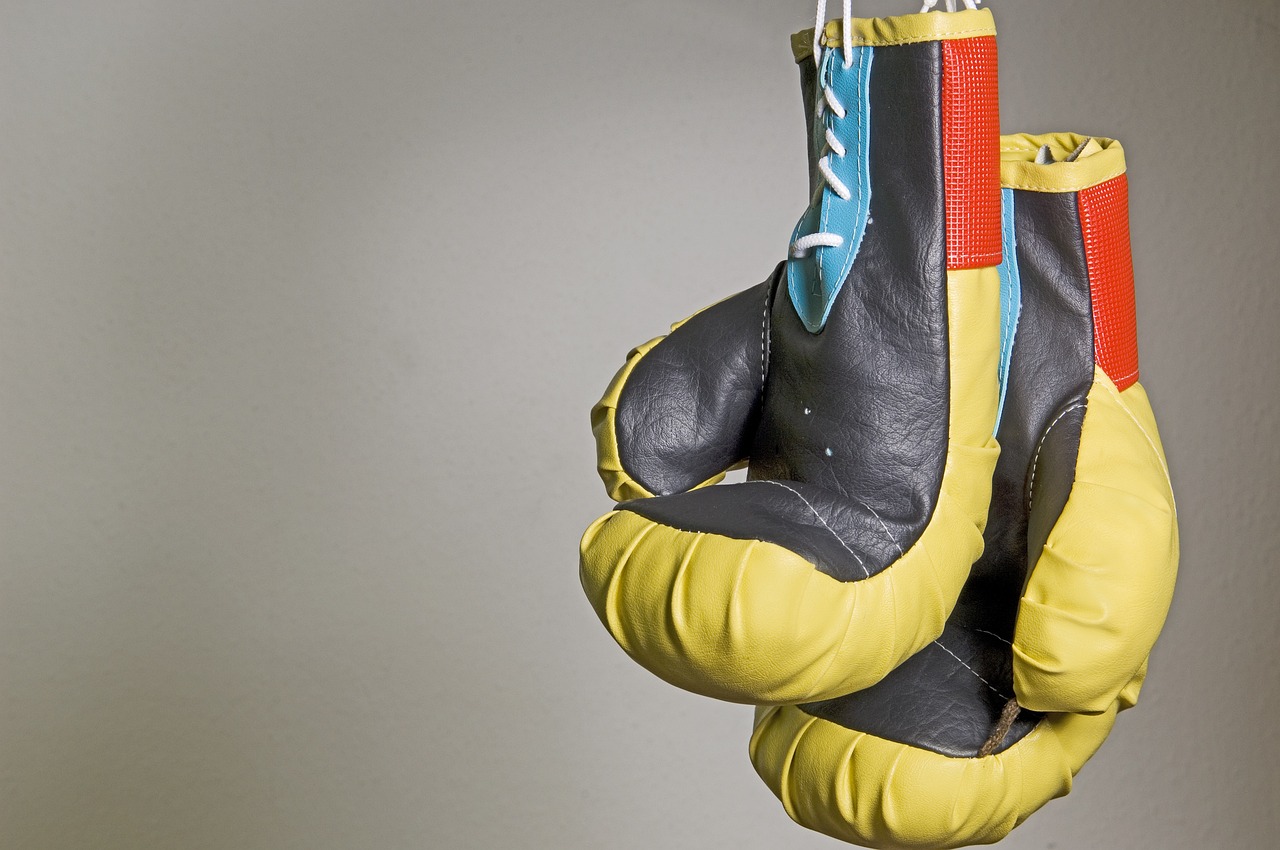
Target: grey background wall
302, 308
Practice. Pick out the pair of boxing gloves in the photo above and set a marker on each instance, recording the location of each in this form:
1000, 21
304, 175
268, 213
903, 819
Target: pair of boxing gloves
957, 542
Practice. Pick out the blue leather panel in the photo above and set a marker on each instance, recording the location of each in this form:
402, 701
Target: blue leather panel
1010, 296
813, 281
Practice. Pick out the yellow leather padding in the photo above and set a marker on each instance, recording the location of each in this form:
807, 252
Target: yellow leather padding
1129, 695
899, 29
1097, 597
1018, 168
877, 793
752, 622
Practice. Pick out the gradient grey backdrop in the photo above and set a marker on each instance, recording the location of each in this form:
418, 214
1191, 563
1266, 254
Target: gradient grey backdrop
302, 309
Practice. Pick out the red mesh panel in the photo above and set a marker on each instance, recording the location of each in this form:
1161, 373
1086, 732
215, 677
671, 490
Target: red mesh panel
971, 151
1104, 219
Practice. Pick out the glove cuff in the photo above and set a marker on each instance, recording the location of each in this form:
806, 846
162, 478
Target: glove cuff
1094, 170
897, 30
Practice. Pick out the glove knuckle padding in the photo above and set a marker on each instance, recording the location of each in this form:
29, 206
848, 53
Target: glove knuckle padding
1098, 595
1071, 591
747, 620
871, 436
878, 793
678, 413
752, 621
617, 482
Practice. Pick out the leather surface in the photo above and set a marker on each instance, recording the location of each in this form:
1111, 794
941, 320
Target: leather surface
875, 448
868, 791
1010, 294
824, 528
860, 410
751, 621
815, 276
950, 710
1097, 597
690, 406
897, 29
1018, 168
1051, 370
1087, 500
949, 696
813, 140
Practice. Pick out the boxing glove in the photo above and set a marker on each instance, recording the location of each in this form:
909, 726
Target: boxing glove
858, 383
1051, 634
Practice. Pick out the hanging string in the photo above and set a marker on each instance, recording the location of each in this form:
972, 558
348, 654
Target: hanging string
833, 147
951, 5
846, 39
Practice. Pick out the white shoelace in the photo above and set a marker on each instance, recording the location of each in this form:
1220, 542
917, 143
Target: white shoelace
951, 5
846, 43
833, 146
804, 244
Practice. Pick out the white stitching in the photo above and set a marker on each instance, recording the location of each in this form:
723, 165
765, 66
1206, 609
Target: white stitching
862, 60
1150, 442
1035, 462
1117, 381
824, 524
994, 635
802, 245
971, 670
1008, 328
889, 533
764, 336
823, 207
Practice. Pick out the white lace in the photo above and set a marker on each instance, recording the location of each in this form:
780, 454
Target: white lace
846, 43
951, 5
804, 244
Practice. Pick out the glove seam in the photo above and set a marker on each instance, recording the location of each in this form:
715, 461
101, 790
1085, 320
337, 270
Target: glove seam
1035, 461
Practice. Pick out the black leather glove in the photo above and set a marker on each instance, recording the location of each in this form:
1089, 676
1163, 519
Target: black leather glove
859, 382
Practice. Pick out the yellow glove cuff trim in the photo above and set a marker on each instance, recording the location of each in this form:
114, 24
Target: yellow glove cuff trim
1018, 168
899, 29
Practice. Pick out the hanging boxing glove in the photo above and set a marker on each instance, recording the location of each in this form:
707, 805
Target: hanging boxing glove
1051, 634
859, 382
